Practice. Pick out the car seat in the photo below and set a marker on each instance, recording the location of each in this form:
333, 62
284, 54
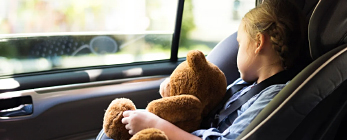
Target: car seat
314, 104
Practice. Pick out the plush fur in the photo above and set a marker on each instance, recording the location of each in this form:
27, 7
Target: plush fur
113, 125
150, 134
195, 88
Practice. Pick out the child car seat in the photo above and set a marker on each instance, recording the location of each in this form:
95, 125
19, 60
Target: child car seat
314, 104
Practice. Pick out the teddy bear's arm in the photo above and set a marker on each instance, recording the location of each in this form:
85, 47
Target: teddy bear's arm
183, 110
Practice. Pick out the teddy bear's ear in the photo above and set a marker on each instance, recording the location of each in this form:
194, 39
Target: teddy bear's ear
196, 60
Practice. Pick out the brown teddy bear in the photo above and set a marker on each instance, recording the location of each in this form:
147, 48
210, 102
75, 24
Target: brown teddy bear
195, 87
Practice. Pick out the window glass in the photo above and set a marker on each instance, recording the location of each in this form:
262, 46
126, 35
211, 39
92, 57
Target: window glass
37, 35
206, 22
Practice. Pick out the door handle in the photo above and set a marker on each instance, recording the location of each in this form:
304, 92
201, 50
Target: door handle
16, 106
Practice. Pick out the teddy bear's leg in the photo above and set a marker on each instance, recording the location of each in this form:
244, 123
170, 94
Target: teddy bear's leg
183, 111
150, 134
113, 126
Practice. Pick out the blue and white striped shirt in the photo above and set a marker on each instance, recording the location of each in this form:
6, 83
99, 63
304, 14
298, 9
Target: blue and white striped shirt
244, 115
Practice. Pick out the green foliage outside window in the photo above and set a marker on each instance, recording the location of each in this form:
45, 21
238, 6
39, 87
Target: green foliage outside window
187, 24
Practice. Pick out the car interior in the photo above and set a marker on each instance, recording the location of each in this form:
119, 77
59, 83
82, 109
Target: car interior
311, 106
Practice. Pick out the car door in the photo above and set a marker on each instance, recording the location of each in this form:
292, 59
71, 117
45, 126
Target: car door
62, 63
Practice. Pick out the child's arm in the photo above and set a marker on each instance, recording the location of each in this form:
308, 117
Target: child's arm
137, 120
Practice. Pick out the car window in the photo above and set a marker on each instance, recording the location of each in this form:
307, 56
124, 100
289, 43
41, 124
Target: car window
206, 22
41, 35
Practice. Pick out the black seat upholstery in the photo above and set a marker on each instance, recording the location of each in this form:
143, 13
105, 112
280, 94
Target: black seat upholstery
314, 104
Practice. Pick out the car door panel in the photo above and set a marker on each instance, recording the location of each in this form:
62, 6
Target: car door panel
75, 111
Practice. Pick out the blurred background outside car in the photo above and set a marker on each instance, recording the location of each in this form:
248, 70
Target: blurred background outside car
41, 35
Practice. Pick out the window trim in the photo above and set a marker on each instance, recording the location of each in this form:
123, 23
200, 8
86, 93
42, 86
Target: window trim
177, 32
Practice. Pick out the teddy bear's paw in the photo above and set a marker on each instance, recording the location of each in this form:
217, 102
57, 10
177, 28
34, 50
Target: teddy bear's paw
113, 126
150, 134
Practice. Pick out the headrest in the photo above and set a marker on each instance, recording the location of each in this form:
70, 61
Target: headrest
307, 6
224, 55
327, 27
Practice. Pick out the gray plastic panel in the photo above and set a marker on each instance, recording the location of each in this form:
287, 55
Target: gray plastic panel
69, 110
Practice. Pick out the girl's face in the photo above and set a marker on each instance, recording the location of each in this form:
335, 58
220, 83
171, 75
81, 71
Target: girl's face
246, 57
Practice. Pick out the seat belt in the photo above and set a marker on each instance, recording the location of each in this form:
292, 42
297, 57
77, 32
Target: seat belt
214, 119
208, 121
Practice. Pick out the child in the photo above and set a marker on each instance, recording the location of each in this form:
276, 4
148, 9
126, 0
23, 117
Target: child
271, 39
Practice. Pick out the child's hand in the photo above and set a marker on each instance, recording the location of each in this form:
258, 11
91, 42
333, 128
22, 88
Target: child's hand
165, 88
137, 120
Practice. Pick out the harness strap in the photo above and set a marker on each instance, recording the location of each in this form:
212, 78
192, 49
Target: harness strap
214, 119
209, 121
279, 78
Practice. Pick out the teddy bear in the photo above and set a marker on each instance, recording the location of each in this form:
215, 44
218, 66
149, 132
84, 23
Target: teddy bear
193, 89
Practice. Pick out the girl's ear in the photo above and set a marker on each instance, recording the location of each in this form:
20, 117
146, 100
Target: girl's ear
260, 40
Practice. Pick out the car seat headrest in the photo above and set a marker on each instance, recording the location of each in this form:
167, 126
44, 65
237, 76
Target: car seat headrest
306, 6
327, 27
224, 56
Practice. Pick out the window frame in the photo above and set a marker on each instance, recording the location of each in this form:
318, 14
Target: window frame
172, 58
177, 32
57, 77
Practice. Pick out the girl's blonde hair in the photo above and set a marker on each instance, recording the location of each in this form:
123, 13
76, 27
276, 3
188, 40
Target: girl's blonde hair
285, 25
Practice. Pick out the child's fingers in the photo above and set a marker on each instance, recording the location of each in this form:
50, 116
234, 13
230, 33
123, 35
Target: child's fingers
131, 132
125, 120
128, 126
127, 113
